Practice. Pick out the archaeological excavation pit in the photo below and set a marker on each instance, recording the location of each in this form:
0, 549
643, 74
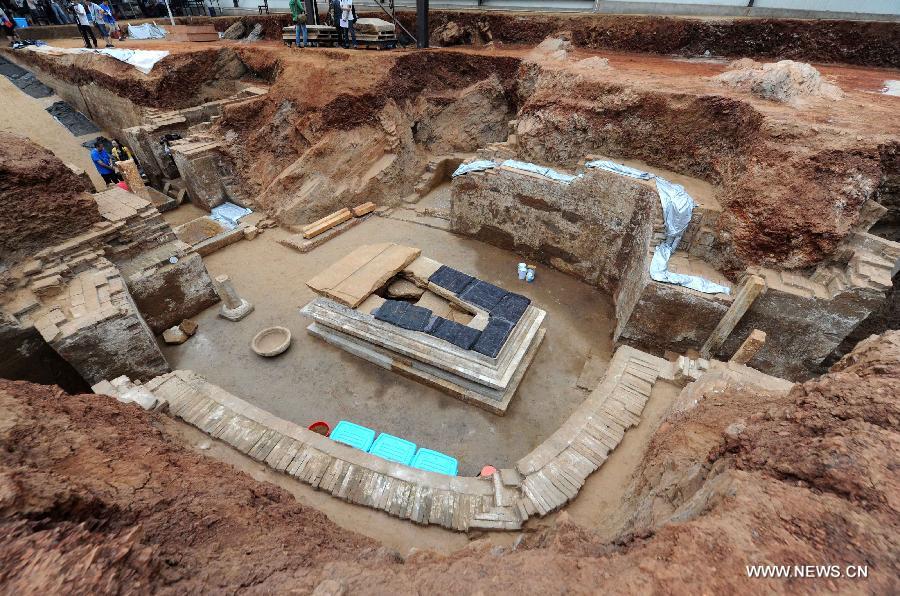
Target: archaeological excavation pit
683, 218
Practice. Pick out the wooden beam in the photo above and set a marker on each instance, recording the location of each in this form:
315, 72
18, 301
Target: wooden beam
751, 287
750, 347
326, 223
363, 209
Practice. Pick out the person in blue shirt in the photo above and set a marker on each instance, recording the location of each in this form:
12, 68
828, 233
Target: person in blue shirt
104, 164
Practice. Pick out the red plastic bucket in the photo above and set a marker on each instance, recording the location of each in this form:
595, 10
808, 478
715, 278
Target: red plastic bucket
320, 427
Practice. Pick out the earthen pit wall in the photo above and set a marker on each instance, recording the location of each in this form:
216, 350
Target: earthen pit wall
173, 292
707, 137
801, 331
592, 228
109, 111
669, 317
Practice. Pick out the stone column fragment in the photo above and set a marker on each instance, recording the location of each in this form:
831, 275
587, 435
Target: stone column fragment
234, 308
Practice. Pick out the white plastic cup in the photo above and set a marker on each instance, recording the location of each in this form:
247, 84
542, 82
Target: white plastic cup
523, 270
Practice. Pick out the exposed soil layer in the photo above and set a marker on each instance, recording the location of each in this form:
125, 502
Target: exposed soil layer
94, 496
852, 42
176, 81
44, 202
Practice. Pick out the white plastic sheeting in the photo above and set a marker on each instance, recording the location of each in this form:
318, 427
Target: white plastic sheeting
677, 206
143, 60
617, 168
228, 214
481, 165
146, 31
536, 169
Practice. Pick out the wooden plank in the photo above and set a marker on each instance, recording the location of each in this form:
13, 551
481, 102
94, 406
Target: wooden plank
363, 209
750, 347
751, 287
323, 226
324, 220
351, 279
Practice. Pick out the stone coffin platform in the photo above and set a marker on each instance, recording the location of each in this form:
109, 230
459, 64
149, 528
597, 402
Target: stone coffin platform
488, 383
480, 359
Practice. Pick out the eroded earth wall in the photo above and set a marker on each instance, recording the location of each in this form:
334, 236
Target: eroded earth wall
592, 228
755, 483
43, 201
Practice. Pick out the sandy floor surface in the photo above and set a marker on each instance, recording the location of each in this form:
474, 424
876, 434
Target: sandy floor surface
315, 381
24, 115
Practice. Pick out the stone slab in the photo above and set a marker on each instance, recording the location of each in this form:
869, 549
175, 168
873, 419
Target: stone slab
451, 279
352, 279
492, 338
484, 295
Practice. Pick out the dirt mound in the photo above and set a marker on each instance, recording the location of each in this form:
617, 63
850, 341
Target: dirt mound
784, 81
43, 200
94, 498
852, 42
552, 48
97, 497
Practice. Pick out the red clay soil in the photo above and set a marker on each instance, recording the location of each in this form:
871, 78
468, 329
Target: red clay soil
851, 42
43, 201
176, 81
96, 498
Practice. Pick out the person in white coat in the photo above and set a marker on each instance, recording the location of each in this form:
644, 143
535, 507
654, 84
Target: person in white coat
348, 17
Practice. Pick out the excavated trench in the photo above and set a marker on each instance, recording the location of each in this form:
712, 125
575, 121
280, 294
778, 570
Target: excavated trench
804, 198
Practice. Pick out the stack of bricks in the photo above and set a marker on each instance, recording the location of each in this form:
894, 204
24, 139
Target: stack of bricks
140, 226
82, 299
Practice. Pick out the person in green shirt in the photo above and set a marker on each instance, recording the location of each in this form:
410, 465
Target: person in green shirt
298, 13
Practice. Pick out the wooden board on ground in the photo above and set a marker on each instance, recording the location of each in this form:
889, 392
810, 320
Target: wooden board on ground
304, 245
326, 223
195, 33
363, 209
353, 278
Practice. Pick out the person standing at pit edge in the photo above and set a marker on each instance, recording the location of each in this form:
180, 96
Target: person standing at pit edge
298, 13
348, 16
97, 15
103, 163
84, 25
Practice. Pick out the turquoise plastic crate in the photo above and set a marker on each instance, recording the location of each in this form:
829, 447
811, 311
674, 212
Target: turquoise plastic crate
353, 435
393, 448
435, 461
